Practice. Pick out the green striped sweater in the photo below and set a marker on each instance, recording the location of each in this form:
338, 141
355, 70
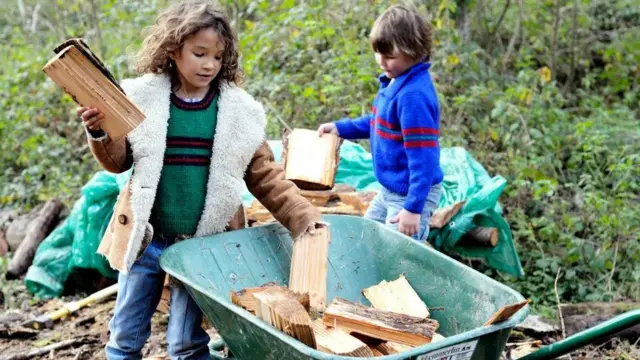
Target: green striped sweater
182, 189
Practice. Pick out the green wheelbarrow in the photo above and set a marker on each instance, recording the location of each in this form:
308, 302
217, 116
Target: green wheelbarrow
362, 253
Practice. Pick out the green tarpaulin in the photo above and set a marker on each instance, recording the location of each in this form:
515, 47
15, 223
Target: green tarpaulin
73, 244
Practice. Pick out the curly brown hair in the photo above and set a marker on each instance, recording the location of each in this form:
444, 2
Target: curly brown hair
174, 26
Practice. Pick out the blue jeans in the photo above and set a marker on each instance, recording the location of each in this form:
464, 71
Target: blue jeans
386, 205
139, 293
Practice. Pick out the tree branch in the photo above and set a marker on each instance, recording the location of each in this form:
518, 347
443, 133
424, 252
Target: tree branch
499, 23
574, 42
554, 39
34, 18
96, 20
515, 36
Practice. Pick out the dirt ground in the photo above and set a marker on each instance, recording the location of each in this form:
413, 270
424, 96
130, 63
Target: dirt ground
85, 333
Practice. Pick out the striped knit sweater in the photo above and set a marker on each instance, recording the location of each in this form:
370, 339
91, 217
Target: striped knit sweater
182, 188
403, 127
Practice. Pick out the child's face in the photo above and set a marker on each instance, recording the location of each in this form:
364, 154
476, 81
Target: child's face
395, 64
199, 60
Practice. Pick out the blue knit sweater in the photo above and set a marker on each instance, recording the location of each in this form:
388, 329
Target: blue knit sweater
403, 131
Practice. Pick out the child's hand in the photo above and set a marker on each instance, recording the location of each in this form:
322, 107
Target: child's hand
91, 117
328, 128
409, 223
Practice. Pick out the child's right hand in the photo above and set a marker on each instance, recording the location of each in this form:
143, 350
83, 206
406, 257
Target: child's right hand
91, 117
328, 128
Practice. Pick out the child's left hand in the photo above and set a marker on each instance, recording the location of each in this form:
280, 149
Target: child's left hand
409, 223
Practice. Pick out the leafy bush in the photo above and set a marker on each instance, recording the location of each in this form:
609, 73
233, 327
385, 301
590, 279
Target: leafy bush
553, 107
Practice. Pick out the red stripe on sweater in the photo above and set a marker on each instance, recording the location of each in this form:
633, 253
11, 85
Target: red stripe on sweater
421, 131
385, 123
415, 144
385, 135
187, 142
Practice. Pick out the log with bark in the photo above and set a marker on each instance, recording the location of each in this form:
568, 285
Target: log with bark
37, 230
379, 324
360, 200
82, 75
397, 296
481, 236
582, 316
442, 216
400, 297
322, 197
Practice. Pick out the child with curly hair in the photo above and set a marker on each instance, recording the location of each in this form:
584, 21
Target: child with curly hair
202, 140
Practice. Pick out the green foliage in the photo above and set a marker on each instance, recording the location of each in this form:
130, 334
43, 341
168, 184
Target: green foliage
557, 118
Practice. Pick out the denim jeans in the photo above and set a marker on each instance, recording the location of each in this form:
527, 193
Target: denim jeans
139, 293
386, 205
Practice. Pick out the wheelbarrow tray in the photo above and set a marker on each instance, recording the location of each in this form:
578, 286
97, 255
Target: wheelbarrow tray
361, 254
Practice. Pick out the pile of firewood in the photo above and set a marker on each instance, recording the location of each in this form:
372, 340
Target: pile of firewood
397, 321
345, 200
341, 199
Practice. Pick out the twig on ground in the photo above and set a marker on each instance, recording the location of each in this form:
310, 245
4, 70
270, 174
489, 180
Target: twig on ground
613, 268
555, 289
49, 348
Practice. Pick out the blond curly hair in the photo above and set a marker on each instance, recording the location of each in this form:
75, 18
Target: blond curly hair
174, 26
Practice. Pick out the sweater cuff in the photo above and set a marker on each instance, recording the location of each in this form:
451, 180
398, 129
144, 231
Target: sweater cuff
96, 135
414, 205
345, 128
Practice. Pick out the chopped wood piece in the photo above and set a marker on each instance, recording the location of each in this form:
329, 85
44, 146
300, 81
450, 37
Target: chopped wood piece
506, 312
37, 231
258, 212
76, 72
338, 342
244, 298
442, 216
380, 324
322, 197
309, 160
389, 348
359, 200
376, 352
340, 209
397, 296
308, 272
281, 310
481, 236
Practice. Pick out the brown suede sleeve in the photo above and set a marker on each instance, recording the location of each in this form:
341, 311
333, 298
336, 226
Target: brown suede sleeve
113, 156
265, 180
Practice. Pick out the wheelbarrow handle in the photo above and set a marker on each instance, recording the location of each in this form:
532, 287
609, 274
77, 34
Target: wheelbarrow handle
576, 341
